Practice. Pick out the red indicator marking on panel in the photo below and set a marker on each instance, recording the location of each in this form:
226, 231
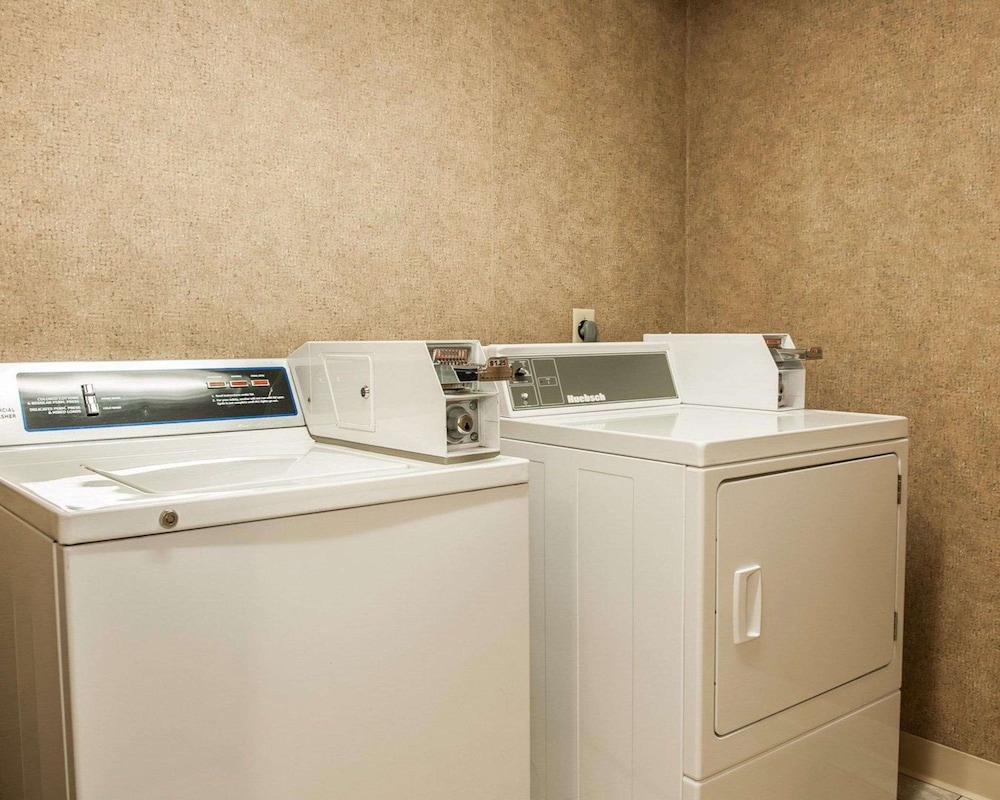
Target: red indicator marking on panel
238, 384
260, 383
216, 384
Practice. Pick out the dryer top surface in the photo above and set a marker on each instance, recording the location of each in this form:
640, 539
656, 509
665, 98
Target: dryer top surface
704, 436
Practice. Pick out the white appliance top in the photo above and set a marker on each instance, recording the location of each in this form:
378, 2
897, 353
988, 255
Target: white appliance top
90, 452
620, 398
702, 436
93, 491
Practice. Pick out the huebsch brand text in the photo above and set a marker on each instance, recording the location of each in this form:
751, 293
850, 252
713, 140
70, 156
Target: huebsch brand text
586, 398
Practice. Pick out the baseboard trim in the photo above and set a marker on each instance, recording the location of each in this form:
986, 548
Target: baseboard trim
972, 777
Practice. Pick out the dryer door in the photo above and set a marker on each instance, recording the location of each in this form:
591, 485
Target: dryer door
806, 584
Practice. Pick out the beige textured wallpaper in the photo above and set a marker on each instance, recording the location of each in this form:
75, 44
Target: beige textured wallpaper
844, 186
221, 178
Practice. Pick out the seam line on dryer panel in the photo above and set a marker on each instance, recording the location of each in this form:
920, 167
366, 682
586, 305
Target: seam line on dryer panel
635, 527
806, 700
789, 742
576, 776
17, 684
545, 627
789, 470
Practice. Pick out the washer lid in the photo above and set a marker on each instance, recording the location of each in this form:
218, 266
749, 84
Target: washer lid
152, 475
94, 491
81, 478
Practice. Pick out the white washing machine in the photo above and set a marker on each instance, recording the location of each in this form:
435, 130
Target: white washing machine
716, 594
199, 602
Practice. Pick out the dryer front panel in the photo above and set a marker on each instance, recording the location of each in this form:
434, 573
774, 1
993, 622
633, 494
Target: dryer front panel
805, 584
793, 579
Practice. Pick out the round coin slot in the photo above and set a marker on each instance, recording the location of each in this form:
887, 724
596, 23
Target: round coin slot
460, 423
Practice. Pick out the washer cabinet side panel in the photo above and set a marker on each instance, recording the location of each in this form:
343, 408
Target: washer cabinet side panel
32, 749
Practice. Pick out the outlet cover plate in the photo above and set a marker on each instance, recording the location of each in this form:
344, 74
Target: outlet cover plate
579, 315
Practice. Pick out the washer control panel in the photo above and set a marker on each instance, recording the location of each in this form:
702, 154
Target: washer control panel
87, 399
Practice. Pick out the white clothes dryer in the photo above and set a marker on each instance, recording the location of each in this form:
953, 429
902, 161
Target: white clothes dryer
198, 601
716, 594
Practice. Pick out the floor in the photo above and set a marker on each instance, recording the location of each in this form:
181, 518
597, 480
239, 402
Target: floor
912, 789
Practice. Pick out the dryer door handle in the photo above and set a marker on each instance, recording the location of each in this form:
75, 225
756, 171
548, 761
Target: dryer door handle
748, 593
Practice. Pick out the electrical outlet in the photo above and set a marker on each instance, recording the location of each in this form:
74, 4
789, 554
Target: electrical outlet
579, 315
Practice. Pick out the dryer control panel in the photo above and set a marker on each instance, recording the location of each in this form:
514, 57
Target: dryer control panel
567, 378
571, 380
